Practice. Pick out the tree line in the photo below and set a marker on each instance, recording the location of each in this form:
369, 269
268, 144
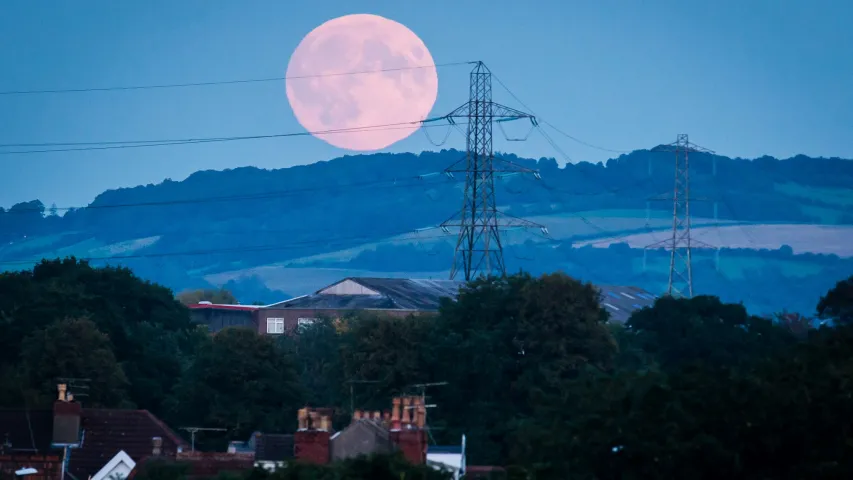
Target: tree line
529, 369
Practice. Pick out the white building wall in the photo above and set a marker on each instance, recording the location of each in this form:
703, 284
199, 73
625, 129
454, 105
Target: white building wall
348, 287
452, 460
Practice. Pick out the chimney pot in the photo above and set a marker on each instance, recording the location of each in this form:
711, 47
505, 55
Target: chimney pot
395, 413
377, 415
325, 423
407, 417
356, 415
314, 420
62, 388
303, 418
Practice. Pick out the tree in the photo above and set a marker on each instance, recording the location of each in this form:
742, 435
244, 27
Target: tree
704, 330
317, 352
241, 381
74, 348
837, 304
190, 297
386, 351
151, 333
507, 345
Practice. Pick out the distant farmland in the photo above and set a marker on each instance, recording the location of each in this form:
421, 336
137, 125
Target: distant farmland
824, 239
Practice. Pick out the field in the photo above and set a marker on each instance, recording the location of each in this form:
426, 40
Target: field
823, 239
833, 196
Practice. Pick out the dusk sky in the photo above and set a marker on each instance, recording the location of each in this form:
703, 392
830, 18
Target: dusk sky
744, 78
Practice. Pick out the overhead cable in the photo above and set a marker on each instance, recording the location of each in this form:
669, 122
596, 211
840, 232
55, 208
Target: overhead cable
227, 82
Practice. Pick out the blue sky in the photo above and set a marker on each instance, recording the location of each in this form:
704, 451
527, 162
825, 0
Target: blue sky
745, 78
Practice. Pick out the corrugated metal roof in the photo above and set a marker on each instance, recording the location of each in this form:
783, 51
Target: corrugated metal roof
412, 294
339, 302
425, 295
620, 302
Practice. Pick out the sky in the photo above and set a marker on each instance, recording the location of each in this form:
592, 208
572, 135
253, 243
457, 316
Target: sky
743, 78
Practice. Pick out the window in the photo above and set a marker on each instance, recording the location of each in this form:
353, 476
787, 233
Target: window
304, 322
275, 325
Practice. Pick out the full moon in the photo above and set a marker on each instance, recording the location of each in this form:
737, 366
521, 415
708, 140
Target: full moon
327, 91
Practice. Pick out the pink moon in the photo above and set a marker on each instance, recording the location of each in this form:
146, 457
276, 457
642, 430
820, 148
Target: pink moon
360, 43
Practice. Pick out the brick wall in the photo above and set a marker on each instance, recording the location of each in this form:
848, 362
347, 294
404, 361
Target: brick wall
48, 466
291, 316
412, 443
312, 446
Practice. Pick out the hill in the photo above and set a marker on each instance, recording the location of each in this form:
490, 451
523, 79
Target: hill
786, 224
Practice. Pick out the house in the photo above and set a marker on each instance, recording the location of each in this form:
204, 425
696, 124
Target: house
88, 439
271, 451
219, 316
391, 296
403, 429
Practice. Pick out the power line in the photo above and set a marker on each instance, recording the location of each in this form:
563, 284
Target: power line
543, 121
227, 82
111, 145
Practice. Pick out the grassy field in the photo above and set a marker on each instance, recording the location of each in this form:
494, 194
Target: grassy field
736, 267
801, 238
832, 196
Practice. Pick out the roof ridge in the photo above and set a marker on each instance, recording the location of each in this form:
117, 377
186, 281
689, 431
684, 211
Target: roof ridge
174, 437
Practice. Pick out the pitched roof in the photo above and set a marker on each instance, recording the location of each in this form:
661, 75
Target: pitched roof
377, 294
107, 431
273, 447
370, 293
412, 294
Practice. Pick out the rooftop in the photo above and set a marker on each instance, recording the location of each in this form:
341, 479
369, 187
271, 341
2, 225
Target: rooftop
368, 293
620, 302
105, 433
221, 306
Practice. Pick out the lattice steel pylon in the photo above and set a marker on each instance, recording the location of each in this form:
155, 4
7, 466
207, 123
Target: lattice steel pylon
680, 243
479, 250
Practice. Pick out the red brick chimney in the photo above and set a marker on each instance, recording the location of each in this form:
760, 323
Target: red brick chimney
312, 440
411, 439
395, 413
66, 418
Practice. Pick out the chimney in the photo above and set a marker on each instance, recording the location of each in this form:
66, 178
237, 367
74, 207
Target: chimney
312, 441
303, 419
407, 412
412, 439
420, 413
325, 424
66, 418
156, 446
395, 413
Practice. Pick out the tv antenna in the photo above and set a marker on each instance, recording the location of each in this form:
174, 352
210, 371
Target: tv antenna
194, 430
